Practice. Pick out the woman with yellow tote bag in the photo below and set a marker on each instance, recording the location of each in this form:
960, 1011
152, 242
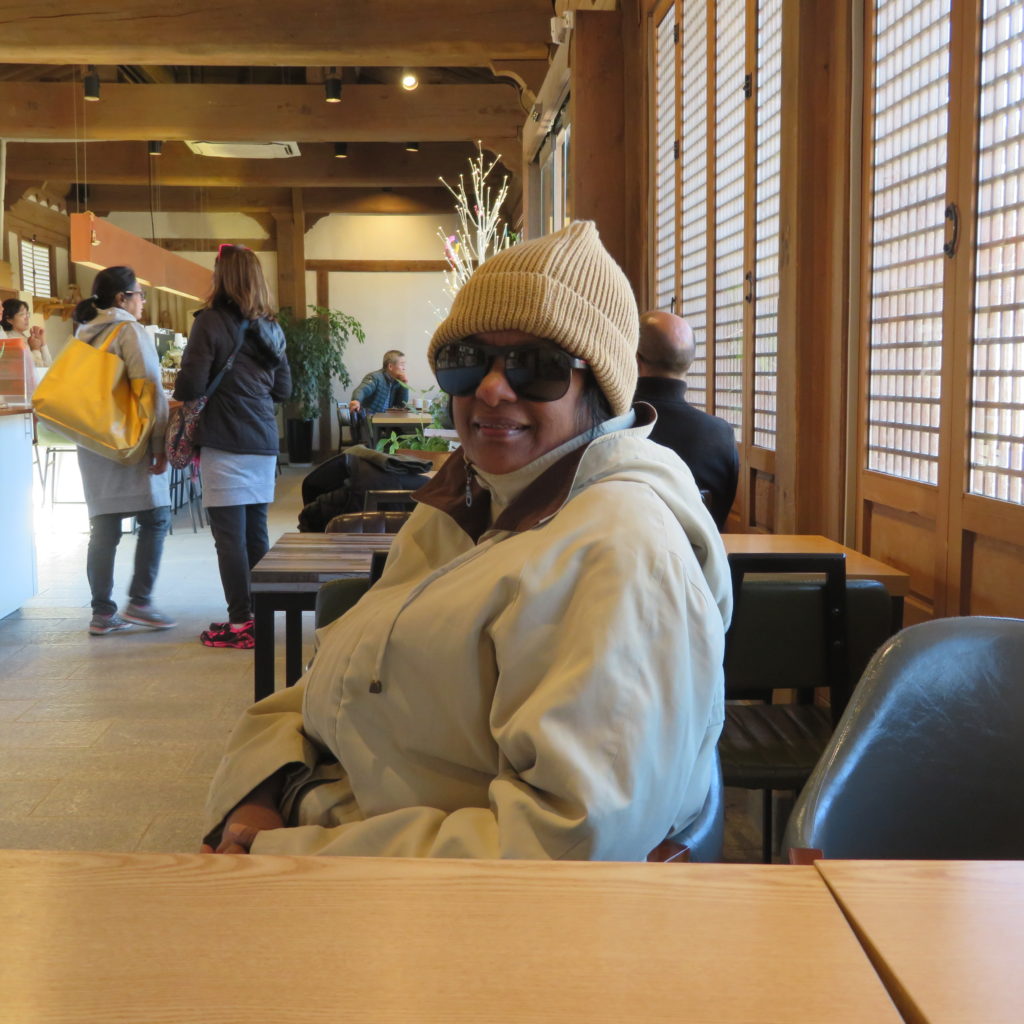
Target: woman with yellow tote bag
113, 491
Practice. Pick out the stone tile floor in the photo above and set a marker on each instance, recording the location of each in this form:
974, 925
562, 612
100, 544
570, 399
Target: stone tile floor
109, 743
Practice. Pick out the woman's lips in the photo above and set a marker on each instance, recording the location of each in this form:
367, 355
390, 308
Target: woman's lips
499, 428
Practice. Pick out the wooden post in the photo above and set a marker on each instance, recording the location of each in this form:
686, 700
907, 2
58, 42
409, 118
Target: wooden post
813, 269
291, 255
597, 169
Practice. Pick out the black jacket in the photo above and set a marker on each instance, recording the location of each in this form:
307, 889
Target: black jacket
240, 414
705, 443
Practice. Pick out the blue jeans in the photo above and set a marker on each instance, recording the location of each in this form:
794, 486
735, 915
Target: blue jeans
105, 535
240, 535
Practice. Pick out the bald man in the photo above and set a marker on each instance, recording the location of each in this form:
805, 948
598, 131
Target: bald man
705, 443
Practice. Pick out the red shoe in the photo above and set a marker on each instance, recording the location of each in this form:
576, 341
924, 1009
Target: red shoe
223, 634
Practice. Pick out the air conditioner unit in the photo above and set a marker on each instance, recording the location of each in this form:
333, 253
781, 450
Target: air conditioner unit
245, 150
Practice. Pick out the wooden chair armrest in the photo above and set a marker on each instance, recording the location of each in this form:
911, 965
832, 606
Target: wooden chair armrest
804, 855
668, 851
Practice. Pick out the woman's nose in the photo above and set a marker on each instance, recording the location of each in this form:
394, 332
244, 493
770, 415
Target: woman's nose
495, 388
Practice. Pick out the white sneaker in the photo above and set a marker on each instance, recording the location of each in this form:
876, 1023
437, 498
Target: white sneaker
148, 616
101, 625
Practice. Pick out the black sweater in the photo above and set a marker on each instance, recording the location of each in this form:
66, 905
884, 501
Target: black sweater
240, 414
705, 443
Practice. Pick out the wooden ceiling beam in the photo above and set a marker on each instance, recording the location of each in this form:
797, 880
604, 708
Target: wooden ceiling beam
41, 111
422, 33
565, 6
128, 163
105, 199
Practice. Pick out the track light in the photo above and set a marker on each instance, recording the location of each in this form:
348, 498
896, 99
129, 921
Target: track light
409, 81
412, 147
91, 83
332, 89
155, 148
341, 150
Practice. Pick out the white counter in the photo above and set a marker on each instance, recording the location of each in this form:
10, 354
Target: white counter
18, 562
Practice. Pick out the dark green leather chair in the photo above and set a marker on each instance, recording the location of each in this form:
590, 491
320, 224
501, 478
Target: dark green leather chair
799, 625
927, 761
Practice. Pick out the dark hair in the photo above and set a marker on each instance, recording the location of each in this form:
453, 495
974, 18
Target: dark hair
106, 287
12, 307
594, 407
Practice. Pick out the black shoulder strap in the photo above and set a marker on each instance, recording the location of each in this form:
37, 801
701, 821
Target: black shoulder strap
215, 383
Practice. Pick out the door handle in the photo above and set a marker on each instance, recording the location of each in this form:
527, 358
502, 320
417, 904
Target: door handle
952, 214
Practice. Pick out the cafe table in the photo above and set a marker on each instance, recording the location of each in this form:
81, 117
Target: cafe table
402, 421
858, 565
946, 937
287, 579
101, 937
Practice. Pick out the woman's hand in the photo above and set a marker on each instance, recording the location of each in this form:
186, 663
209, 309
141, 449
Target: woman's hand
158, 463
243, 824
258, 811
36, 339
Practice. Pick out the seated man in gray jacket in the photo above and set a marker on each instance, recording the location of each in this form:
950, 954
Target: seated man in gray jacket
384, 388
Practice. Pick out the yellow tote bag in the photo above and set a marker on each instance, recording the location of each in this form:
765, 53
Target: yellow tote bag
88, 396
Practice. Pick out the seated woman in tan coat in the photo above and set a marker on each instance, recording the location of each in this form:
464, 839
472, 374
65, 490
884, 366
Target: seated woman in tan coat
538, 673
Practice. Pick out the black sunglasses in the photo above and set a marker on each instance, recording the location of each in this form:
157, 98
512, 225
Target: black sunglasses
538, 371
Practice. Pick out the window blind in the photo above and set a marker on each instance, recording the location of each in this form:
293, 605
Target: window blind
729, 211
997, 378
766, 266
910, 90
35, 268
693, 174
664, 162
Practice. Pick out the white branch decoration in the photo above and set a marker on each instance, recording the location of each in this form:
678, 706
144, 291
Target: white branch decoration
482, 232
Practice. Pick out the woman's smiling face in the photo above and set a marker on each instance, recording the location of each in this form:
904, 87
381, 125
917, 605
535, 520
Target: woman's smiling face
501, 432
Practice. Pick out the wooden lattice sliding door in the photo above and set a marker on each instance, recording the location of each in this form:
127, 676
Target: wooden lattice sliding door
722, 217
941, 484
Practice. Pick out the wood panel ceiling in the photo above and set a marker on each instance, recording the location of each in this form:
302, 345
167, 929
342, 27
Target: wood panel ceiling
253, 72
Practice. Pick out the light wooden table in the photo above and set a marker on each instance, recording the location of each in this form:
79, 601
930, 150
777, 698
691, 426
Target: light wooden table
162, 938
858, 565
947, 937
287, 579
403, 421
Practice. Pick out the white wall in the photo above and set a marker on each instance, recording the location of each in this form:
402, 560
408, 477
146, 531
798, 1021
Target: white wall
397, 310
212, 228
378, 236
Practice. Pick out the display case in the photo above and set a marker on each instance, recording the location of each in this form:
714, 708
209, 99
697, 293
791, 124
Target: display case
17, 372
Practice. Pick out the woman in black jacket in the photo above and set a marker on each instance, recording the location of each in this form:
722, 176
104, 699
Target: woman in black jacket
237, 432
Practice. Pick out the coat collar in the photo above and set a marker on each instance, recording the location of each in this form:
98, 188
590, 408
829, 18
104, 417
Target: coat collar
456, 482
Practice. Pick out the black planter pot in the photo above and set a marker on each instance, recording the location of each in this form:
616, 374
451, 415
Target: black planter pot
299, 434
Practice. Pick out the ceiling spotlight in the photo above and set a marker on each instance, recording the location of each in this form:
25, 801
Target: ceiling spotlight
91, 83
155, 148
341, 150
412, 147
409, 81
332, 89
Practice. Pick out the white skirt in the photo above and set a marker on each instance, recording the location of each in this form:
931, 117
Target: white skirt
230, 478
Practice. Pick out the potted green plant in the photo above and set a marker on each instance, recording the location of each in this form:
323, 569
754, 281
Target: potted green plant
316, 348
434, 449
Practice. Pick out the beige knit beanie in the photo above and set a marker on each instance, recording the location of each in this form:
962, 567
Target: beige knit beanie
566, 287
